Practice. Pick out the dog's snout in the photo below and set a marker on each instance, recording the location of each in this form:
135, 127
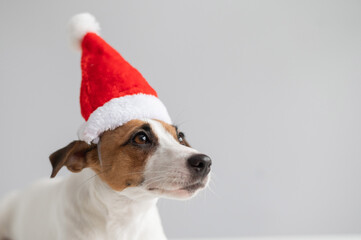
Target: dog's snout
200, 164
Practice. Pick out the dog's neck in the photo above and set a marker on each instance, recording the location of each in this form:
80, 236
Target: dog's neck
116, 212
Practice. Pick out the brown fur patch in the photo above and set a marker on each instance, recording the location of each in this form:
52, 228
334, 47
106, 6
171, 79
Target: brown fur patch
122, 162
73, 156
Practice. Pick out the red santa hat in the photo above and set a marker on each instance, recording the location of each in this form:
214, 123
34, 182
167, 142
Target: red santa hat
112, 91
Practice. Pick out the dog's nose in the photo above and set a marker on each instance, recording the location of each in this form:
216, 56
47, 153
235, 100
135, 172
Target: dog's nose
200, 164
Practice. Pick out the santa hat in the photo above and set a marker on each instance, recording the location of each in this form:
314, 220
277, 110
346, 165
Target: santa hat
112, 91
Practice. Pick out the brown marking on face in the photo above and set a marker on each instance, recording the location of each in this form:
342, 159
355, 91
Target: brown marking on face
122, 160
174, 132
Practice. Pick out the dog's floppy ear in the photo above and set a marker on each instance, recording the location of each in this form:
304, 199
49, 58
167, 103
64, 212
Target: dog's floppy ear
72, 156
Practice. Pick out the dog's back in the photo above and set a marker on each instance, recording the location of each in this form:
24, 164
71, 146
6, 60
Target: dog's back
7, 208
21, 211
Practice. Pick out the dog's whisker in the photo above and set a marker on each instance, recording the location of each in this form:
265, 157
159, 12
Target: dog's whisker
150, 180
153, 180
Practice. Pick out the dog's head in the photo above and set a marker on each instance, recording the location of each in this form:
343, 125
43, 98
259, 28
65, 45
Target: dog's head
150, 155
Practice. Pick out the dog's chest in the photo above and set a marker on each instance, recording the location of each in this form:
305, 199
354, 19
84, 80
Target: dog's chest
146, 227
132, 223
135, 223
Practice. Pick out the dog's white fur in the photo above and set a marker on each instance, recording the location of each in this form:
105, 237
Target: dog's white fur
83, 207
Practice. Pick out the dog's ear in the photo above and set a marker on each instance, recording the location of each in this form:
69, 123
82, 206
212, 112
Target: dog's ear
73, 156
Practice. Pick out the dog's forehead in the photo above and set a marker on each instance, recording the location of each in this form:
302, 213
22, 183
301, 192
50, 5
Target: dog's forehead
164, 131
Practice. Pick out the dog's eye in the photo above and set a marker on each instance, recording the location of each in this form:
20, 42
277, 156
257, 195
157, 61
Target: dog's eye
141, 138
181, 137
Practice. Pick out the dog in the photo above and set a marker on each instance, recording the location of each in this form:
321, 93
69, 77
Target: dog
113, 189
128, 155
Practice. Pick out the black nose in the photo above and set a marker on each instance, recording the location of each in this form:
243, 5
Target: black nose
200, 164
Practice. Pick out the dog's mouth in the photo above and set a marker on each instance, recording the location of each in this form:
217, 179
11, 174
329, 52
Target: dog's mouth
193, 187
188, 189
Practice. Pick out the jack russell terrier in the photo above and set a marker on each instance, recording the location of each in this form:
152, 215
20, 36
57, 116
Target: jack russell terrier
121, 166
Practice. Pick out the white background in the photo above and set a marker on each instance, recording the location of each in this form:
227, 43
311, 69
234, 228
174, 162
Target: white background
271, 90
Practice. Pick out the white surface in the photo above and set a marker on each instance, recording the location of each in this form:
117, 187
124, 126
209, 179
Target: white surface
321, 237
